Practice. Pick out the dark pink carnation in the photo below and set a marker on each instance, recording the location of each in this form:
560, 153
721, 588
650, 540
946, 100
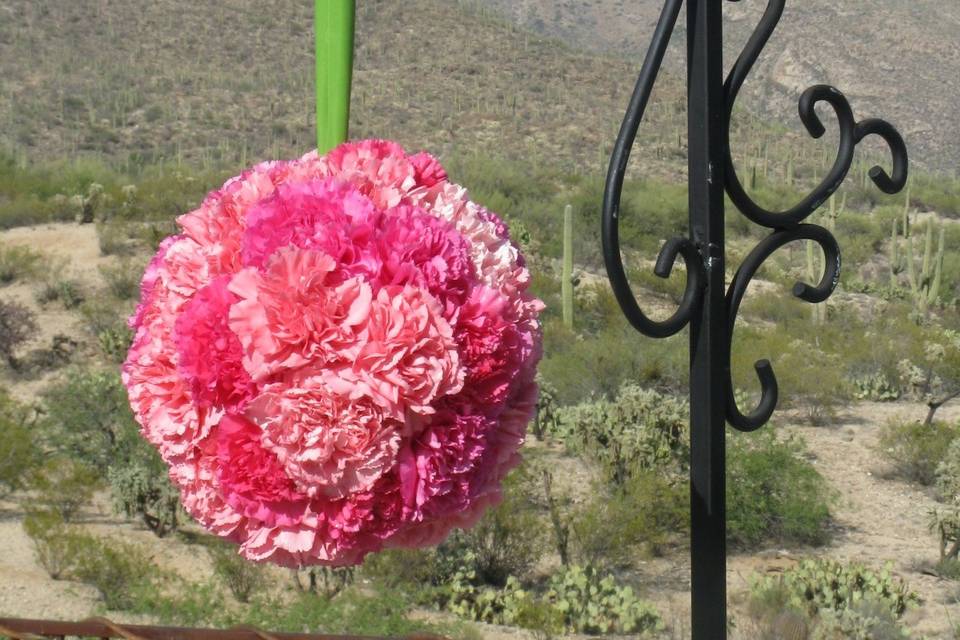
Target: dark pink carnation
210, 354
251, 479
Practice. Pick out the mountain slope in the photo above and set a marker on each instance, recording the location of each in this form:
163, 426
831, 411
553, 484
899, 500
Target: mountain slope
896, 59
209, 81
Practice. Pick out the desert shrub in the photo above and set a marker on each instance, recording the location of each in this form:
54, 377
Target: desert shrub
327, 582
947, 473
66, 291
510, 538
243, 577
605, 353
175, 600
916, 450
122, 279
59, 353
18, 263
115, 342
383, 613
140, 487
19, 453
577, 599
17, 325
591, 602
546, 418
773, 493
640, 430
89, 418
63, 486
114, 239
611, 529
118, 570
810, 376
54, 546
818, 586
107, 322
419, 570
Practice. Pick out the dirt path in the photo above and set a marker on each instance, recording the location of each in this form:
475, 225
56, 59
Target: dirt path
878, 519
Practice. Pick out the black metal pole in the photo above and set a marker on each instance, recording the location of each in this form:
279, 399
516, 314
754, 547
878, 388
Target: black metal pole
707, 306
708, 327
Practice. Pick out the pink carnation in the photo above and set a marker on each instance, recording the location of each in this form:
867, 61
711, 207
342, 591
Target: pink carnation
336, 356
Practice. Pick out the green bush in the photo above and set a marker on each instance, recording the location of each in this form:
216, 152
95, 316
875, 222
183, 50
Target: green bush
613, 528
510, 538
118, 570
54, 545
818, 586
605, 352
916, 450
122, 279
810, 375
773, 493
63, 486
18, 263
640, 430
876, 387
594, 603
140, 487
115, 342
947, 473
19, 453
107, 322
66, 291
383, 613
89, 417
417, 569
243, 577
114, 239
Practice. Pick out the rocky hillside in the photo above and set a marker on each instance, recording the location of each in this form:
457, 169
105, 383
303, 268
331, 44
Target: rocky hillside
897, 59
208, 82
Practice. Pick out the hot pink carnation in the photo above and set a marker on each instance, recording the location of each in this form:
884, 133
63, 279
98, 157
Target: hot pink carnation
336, 355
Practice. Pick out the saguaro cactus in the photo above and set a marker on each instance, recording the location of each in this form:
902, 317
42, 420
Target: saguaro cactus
815, 266
566, 282
926, 278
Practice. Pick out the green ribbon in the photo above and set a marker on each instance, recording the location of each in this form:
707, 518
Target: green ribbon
333, 26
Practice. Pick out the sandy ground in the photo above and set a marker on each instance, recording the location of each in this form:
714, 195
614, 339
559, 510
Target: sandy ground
877, 519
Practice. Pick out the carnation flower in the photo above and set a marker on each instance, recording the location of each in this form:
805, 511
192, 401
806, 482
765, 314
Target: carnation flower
336, 355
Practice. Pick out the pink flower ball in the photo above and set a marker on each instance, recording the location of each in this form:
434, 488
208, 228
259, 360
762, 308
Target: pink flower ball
336, 355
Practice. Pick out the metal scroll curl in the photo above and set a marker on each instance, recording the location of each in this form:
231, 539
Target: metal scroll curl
611, 204
787, 226
851, 133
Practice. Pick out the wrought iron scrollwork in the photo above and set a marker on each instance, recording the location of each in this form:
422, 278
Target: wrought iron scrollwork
787, 226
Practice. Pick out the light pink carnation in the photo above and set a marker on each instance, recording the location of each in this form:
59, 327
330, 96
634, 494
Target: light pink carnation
328, 444
336, 355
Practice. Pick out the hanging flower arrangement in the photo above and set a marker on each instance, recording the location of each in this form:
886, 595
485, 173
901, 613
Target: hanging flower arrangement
336, 355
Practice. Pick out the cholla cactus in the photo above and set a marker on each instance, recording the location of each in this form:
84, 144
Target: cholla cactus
936, 379
87, 205
946, 524
129, 192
